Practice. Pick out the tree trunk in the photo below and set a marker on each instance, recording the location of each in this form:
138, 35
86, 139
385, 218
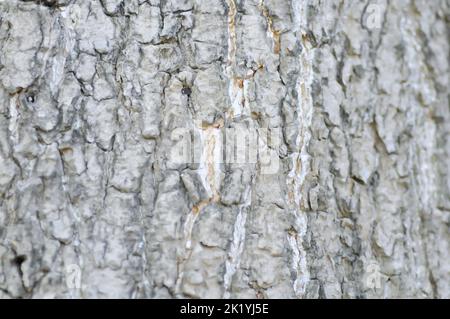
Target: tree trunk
224, 148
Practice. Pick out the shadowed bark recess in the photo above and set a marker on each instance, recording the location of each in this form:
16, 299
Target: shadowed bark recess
349, 100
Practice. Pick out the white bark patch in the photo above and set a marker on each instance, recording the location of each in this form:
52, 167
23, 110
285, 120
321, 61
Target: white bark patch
237, 245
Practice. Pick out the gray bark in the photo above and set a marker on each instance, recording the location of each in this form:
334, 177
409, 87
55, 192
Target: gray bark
94, 205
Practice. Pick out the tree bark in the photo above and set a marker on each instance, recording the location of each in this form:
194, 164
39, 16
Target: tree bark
350, 100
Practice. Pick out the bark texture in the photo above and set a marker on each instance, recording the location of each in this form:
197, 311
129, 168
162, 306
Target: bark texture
92, 204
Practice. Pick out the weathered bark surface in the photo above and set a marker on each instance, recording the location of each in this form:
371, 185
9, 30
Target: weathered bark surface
92, 204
